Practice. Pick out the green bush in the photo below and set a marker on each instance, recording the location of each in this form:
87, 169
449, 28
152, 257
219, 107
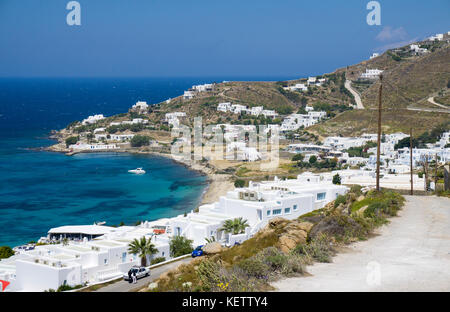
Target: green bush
254, 267
67, 287
71, 140
337, 179
341, 199
356, 189
298, 157
274, 258
179, 246
157, 260
239, 183
140, 140
318, 249
6, 252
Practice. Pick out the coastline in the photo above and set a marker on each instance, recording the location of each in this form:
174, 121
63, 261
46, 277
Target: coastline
218, 184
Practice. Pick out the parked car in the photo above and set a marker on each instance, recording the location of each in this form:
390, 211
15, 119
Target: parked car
140, 272
197, 251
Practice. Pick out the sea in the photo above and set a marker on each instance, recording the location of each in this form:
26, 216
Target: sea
40, 190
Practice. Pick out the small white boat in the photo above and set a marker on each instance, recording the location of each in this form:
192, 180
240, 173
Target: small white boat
137, 171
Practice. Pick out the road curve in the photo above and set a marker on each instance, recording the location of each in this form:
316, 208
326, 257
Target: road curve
348, 86
412, 253
431, 100
123, 286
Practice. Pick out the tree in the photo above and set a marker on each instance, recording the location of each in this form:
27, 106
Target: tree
235, 226
312, 159
239, 183
298, 157
140, 140
180, 245
337, 179
6, 252
142, 248
71, 140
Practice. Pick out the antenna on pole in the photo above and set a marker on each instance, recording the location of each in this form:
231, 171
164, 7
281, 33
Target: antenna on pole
379, 133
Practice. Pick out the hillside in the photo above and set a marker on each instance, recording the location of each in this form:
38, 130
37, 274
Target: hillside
409, 80
270, 95
415, 93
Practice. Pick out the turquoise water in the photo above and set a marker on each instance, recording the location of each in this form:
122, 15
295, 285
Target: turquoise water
40, 190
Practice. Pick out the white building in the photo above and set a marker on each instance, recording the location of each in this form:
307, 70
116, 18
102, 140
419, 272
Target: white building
343, 143
203, 88
257, 203
269, 113
173, 118
437, 37
371, 74
417, 50
140, 106
238, 109
93, 119
224, 107
188, 95
311, 81
81, 260
297, 87
97, 253
296, 121
374, 55
256, 111
92, 147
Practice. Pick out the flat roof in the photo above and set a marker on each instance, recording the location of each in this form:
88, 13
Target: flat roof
82, 229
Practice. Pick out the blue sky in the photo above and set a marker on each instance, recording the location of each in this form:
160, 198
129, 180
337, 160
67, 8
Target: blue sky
155, 38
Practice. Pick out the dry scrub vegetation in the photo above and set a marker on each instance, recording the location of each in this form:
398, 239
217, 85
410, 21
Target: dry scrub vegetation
285, 247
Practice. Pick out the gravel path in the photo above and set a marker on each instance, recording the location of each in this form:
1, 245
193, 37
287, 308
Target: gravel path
412, 253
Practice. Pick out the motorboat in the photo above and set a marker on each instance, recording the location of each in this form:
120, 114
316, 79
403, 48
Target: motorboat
137, 171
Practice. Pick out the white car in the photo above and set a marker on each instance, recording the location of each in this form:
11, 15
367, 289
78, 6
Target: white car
139, 271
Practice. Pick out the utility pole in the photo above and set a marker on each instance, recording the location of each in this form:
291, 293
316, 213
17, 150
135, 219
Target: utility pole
425, 169
379, 132
411, 160
435, 172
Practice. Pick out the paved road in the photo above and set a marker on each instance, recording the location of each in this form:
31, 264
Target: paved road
411, 254
123, 286
348, 86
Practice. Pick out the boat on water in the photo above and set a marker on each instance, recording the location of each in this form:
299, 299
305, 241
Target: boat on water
137, 171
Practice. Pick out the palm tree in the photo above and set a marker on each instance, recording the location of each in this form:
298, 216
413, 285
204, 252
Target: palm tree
142, 247
210, 239
235, 226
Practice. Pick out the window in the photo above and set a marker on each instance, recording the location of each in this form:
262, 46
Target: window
276, 212
105, 261
268, 212
321, 196
295, 207
287, 210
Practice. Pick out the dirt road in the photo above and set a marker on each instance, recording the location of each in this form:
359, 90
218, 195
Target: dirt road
412, 253
348, 86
